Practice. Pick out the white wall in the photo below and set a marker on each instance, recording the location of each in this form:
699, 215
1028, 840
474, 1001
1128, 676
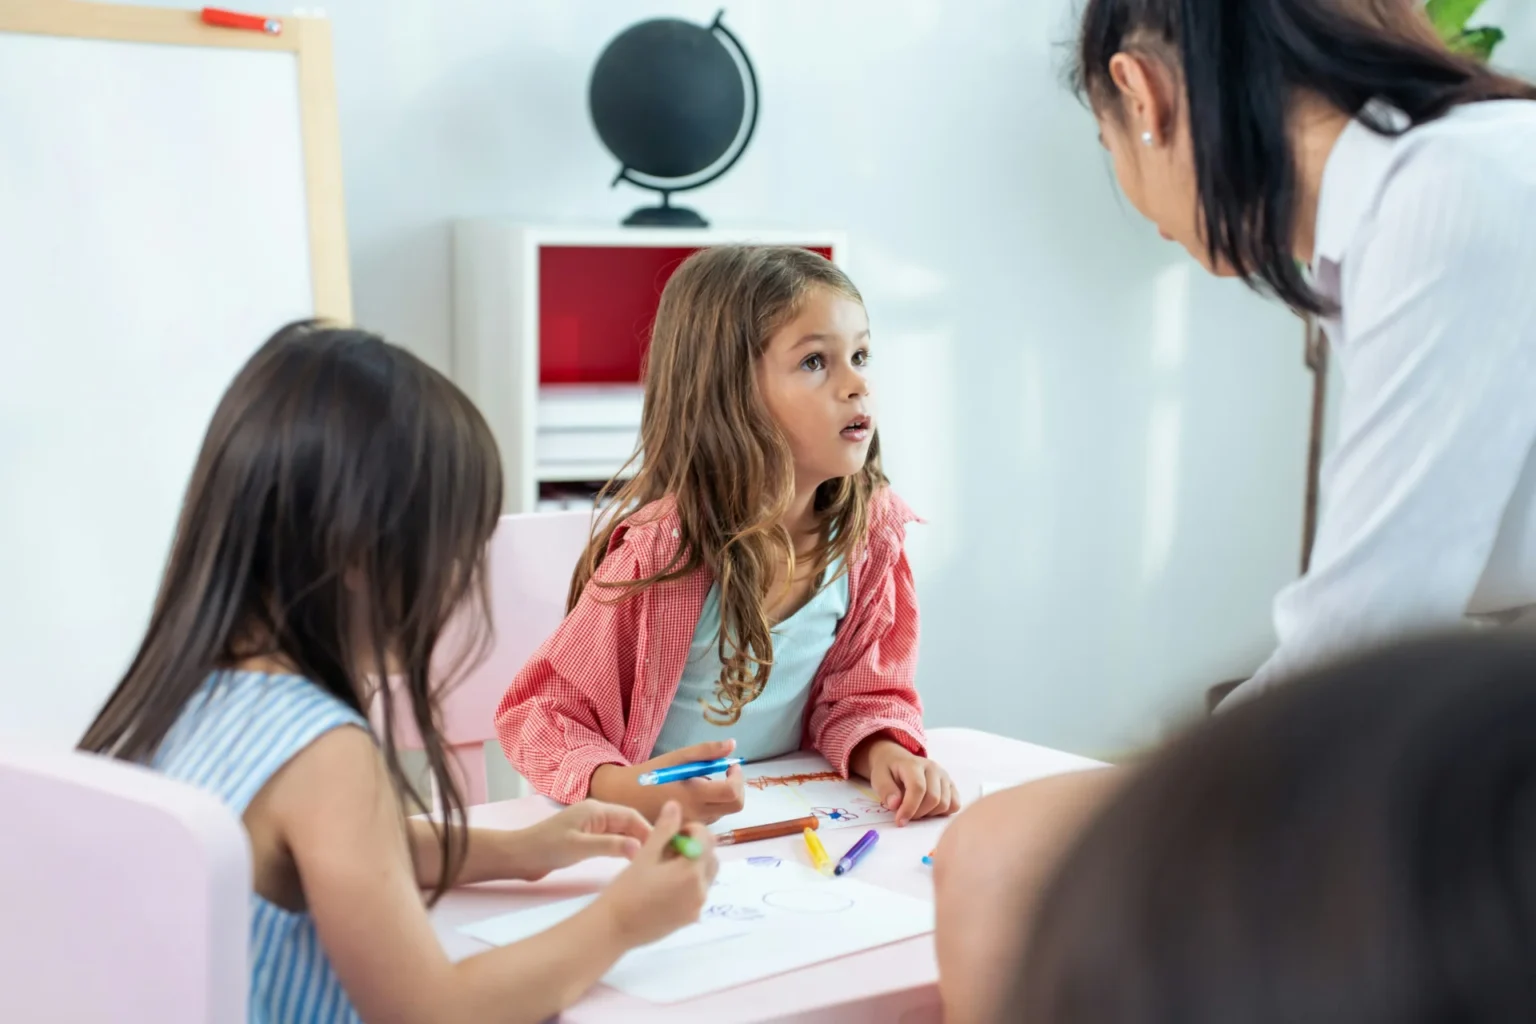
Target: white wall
1110, 447
1518, 19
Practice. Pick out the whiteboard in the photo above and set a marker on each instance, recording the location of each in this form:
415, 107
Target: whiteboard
154, 230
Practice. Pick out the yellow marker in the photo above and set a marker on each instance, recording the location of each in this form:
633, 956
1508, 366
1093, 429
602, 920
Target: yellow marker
818, 852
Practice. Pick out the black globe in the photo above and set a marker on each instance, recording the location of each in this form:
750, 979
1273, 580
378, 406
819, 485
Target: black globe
677, 103
667, 98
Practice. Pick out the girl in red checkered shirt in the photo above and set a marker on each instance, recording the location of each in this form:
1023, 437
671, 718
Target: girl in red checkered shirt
750, 593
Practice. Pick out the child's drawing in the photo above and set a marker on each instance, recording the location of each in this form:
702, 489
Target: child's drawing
764, 862
800, 786
730, 912
820, 900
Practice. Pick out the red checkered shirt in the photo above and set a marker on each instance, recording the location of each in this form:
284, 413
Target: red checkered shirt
598, 690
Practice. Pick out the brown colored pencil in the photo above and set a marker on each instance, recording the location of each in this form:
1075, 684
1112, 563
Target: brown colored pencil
774, 831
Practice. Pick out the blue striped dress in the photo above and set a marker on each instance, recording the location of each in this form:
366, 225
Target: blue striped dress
232, 737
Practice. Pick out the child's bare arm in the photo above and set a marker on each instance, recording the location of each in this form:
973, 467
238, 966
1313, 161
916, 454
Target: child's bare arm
584, 830
336, 810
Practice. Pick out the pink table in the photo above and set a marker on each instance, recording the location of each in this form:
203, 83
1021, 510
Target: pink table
891, 985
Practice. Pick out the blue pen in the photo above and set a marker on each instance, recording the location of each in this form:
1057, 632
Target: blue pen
856, 854
692, 770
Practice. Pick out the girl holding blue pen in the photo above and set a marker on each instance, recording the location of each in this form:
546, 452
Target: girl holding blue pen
750, 597
684, 772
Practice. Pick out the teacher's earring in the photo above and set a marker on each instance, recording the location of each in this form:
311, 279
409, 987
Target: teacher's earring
1146, 138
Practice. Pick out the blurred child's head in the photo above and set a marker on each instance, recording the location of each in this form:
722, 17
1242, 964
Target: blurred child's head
336, 517
1359, 846
755, 393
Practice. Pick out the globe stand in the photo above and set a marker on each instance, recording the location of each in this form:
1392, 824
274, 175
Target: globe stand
665, 216
643, 103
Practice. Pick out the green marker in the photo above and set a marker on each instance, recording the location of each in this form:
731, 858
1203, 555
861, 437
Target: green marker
687, 846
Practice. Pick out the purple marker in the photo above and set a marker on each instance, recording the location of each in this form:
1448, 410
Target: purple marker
853, 856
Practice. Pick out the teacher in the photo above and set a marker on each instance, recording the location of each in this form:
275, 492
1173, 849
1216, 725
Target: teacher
1335, 155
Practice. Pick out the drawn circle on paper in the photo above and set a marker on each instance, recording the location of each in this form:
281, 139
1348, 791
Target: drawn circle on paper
728, 912
820, 900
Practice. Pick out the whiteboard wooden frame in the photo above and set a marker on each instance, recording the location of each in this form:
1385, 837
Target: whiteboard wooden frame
309, 39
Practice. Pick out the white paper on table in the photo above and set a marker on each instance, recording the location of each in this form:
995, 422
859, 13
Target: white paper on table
801, 785
765, 916
525, 924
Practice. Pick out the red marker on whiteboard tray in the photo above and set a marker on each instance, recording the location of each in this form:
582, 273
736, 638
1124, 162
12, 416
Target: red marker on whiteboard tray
234, 19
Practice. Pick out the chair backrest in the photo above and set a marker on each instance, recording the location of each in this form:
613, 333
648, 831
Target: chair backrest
124, 896
528, 566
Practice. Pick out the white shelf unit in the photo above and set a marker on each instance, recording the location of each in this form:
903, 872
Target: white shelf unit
496, 317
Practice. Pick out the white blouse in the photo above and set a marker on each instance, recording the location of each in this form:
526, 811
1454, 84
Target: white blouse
1428, 514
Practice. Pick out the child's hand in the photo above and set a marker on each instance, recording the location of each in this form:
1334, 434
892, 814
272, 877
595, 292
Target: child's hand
705, 800
914, 787
661, 890
702, 800
581, 831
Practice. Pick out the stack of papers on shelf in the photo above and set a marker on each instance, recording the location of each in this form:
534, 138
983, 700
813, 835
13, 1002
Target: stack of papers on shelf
586, 432
590, 406
564, 447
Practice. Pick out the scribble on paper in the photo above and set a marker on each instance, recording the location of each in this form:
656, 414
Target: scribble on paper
762, 782
731, 912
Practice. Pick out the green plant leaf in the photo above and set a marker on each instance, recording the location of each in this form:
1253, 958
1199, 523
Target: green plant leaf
1480, 42
1450, 17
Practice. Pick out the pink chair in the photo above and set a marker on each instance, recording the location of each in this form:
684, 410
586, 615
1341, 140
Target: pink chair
124, 896
529, 566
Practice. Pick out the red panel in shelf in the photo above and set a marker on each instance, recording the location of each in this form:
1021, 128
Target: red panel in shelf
596, 306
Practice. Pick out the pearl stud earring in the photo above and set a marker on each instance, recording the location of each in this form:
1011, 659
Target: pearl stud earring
1146, 138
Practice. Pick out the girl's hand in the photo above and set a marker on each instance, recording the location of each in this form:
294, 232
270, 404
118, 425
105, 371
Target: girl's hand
661, 890
702, 800
580, 832
914, 787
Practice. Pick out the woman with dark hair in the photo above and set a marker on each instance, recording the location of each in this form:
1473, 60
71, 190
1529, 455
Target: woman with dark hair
1333, 154
1357, 847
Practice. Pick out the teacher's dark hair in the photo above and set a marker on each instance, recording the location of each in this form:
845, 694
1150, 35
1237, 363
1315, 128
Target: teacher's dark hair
1241, 63
1359, 846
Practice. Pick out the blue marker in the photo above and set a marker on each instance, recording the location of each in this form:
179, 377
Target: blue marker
854, 855
692, 770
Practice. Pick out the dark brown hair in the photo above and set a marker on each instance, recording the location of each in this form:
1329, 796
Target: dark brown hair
710, 445
337, 515
1242, 63
1356, 847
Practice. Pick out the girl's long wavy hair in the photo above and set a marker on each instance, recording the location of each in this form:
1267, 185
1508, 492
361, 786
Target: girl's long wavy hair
708, 442
337, 516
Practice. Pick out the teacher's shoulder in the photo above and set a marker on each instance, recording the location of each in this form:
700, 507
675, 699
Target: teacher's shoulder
1452, 210
1468, 177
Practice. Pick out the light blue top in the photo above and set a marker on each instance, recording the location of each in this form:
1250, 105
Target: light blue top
772, 724
238, 730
